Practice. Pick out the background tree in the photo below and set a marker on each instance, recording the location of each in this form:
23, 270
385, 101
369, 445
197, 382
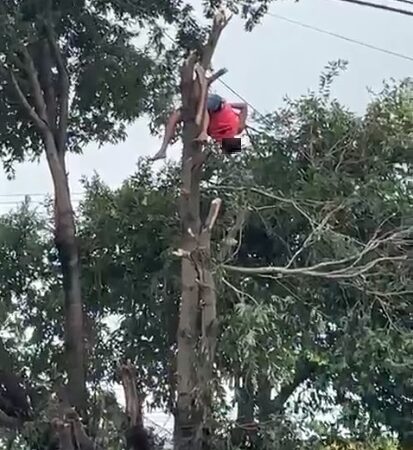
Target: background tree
71, 75
292, 344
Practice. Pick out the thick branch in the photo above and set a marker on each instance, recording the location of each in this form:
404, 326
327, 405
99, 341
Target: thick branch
133, 404
39, 102
213, 214
304, 370
203, 92
46, 79
230, 239
220, 22
9, 422
219, 73
64, 432
64, 89
81, 439
26, 105
349, 272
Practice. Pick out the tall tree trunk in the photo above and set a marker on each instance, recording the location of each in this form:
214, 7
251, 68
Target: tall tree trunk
47, 106
197, 320
245, 394
68, 251
189, 414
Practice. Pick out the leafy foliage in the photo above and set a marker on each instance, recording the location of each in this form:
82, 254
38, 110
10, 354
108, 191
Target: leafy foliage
291, 345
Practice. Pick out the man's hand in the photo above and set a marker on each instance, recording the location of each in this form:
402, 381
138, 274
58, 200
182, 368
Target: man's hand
243, 107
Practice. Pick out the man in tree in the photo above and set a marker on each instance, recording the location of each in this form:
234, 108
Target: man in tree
222, 122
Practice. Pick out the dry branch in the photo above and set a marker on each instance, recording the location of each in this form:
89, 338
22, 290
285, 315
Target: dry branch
219, 73
213, 214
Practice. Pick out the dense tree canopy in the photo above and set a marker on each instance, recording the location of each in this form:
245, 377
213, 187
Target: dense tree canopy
323, 321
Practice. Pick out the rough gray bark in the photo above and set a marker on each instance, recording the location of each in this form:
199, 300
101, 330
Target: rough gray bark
197, 320
47, 107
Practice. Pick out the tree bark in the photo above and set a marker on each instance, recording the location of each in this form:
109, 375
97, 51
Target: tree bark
197, 320
41, 107
68, 251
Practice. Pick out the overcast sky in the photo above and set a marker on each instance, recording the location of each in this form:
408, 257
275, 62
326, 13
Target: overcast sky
276, 59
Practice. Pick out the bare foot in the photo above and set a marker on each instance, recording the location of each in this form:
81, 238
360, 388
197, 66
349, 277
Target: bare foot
160, 155
203, 137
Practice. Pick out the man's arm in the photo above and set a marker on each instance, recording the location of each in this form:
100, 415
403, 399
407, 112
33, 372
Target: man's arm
243, 107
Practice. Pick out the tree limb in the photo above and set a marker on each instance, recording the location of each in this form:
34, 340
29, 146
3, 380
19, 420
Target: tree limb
9, 422
216, 75
230, 239
133, 403
46, 80
312, 270
82, 440
220, 22
213, 214
203, 92
64, 433
304, 370
32, 74
26, 105
64, 89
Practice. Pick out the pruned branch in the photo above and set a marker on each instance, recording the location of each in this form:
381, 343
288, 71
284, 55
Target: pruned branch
219, 73
229, 240
213, 214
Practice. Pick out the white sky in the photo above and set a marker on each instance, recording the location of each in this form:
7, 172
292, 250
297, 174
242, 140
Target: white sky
276, 59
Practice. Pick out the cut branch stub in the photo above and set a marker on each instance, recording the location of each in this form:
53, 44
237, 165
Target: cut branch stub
213, 214
219, 73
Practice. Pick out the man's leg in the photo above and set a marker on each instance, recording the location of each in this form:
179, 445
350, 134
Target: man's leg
213, 104
173, 120
203, 135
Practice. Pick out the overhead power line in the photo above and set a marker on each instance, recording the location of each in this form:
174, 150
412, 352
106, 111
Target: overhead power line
344, 38
408, 2
380, 6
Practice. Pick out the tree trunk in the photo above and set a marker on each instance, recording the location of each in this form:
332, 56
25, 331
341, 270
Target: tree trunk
44, 100
68, 251
189, 410
197, 320
245, 395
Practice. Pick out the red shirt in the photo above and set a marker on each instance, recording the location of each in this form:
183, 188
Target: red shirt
223, 123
